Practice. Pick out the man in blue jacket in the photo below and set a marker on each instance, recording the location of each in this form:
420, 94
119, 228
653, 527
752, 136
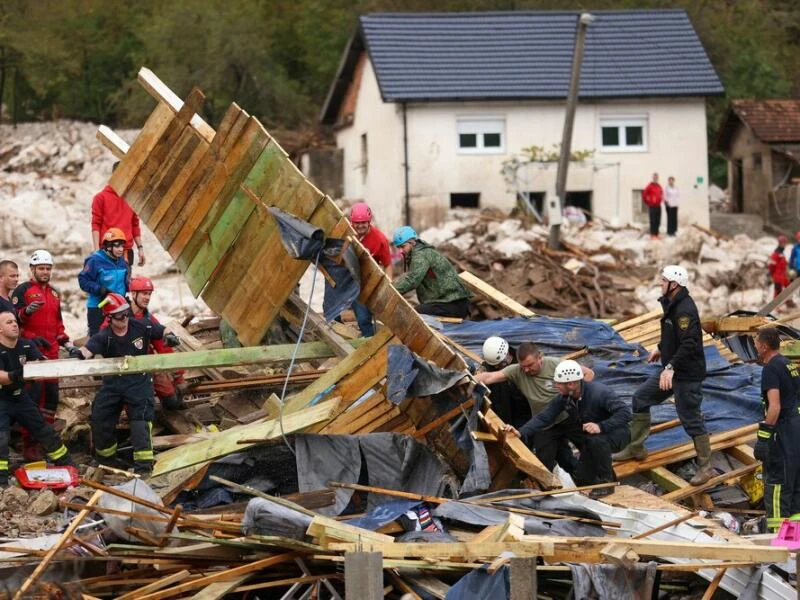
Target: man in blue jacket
597, 424
104, 271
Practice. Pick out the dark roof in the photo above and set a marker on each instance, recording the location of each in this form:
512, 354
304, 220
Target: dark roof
527, 55
772, 121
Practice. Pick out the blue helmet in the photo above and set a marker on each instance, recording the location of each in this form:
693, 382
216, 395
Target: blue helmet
403, 234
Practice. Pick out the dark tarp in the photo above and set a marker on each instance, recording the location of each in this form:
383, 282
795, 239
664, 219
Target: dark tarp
408, 375
479, 583
731, 392
610, 582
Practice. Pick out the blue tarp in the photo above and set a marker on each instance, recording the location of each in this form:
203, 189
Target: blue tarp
731, 393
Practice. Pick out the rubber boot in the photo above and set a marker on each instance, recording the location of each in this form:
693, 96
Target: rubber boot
702, 444
640, 429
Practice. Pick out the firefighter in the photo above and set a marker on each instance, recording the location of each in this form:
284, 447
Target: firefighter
15, 404
124, 337
778, 442
597, 423
104, 271
683, 370
38, 306
168, 386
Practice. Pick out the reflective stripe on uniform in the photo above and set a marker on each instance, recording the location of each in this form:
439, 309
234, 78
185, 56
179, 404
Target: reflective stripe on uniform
3, 465
106, 452
59, 452
143, 455
776, 507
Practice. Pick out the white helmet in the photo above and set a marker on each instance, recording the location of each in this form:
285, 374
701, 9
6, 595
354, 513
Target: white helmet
677, 274
40, 257
495, 350
566, 371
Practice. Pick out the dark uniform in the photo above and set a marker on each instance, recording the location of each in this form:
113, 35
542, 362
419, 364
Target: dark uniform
681, 347
782, 463
507, 401
134, 392
597, 404
17, 406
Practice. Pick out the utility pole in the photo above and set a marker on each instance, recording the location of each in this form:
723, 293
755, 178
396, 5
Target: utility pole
554, 204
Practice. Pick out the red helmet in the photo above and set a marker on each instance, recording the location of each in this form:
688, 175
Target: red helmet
797, 236
114, 234
114, 303
141, 284
782, 240
360, 213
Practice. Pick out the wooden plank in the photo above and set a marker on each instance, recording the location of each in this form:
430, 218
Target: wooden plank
787, 293
327, 529
653, 314
337, 343
225, 357
215, 591
677, 495
478, 285
228, 441
161, 92
665, 478
112, 142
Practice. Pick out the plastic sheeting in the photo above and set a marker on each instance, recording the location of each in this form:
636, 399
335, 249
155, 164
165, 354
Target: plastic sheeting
731, 393
609, 582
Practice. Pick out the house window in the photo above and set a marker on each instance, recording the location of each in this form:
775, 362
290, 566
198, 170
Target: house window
623, 135
364, 156
757, 161
481, 136
470, 200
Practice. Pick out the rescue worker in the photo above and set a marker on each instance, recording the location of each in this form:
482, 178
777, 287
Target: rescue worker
439, 289
9, 280
15, 404
684, 368
794, 257
778, 267
38, 306
597, 423
778, 442
124, 337
533, 376
507, 401
104, 271
377, 244
167, 386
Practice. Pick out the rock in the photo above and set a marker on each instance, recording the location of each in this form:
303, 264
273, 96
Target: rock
13, 499
511, 247
43, 503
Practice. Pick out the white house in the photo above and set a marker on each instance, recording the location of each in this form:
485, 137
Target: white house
428, 107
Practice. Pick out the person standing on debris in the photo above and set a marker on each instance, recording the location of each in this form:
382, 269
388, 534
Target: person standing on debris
439, 288
110, 210
533, 376
672, 198
778, 267
15, 404
794, 257
104, 271
124, 337
596, 422
9, 280
377, 244
38, 305
778, 442
167, 386
684, 368
652, 195
507, 401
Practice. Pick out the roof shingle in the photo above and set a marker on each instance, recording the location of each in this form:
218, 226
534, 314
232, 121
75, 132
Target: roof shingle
772, 121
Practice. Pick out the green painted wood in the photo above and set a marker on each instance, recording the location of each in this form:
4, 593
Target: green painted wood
226, 357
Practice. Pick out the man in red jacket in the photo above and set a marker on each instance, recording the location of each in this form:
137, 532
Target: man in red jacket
38, 307
653, 195
110, 210
778, 267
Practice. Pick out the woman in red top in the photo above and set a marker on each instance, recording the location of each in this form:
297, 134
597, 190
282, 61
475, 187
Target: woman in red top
376, 242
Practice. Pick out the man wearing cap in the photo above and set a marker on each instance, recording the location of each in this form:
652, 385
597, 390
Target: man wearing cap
597, 423
683, 368
38, 306
15, 404
109, 210
440, 291
134, 392
377, 245
104, 271
532, 375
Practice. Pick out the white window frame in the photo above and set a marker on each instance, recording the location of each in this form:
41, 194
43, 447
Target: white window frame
621, 123
481, 126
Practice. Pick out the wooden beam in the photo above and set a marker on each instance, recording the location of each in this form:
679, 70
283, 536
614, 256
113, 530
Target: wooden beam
363, 575
787, 293
327, 529
226, 357
337, 343
714, 481
112, 142
478, 285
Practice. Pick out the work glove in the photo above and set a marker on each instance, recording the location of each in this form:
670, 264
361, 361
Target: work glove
41, 342
171, 340
75, 352
15, 376
764, 441
103, 291
33, 307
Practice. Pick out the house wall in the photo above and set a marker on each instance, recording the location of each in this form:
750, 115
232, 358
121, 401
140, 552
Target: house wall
676, 145
756, 180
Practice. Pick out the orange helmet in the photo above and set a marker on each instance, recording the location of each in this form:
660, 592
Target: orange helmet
114, 234
114, 303
141, 284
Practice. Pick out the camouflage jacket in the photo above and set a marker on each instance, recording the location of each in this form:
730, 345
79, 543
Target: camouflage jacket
432, 275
